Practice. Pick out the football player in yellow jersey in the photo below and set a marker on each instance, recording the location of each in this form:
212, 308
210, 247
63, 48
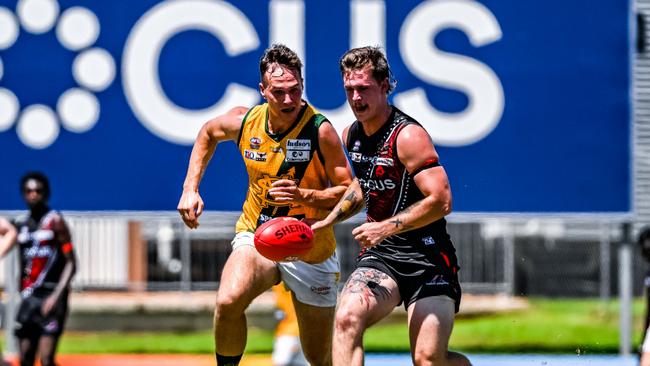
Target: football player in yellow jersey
286, 342
296, 166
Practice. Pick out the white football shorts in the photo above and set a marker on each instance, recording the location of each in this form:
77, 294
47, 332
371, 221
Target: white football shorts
312, 284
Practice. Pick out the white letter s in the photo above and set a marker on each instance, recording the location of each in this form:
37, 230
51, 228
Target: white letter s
475, 79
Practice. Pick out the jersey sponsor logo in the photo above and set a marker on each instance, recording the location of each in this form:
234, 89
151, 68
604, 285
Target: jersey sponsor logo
255, 155
297, 156
36, 236
427, 240
255, 142
38, 252
377, 184
298, 144
264, 218
43, 235
438, 280
298, 150
52, 326
355, 157
321, 290
384, 162
374, 160
357, 145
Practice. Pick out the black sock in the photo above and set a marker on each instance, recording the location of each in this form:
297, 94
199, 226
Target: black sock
227, 360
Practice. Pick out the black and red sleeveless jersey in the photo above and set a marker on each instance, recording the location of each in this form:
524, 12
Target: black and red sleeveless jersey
41, 254
388, 188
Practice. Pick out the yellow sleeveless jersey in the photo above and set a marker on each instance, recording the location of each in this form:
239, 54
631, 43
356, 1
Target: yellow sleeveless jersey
294, 155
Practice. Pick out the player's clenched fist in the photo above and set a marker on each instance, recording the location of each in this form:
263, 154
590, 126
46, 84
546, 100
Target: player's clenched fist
370, 234
190, 207
285, 190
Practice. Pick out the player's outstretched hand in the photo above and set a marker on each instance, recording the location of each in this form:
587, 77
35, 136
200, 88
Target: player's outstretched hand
190, 207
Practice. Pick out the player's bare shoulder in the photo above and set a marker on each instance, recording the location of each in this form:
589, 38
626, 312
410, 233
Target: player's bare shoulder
237, 113
344, 134
57, 221
327, 134
57, 218
227, 125
414, 133
415, 146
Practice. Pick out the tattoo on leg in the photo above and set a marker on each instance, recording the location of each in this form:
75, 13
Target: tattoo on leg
367, 281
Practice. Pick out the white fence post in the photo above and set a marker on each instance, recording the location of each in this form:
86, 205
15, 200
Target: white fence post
625, 289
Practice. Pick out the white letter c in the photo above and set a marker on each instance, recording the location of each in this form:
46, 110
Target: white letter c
142, 52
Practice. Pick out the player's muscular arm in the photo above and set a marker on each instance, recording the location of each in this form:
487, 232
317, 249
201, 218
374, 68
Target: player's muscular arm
415, 150
350, 204
223, 128
8, 236
336, 167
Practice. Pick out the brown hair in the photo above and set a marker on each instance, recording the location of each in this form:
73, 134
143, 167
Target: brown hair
358, 58
280, 54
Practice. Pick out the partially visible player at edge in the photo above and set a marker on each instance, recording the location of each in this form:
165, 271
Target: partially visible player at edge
47, 264
286, 341
644, 244
7, 239
406, 256
296, 167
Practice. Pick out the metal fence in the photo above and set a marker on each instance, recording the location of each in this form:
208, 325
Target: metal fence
520, 256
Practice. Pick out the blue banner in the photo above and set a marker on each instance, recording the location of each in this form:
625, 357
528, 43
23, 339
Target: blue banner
528, 103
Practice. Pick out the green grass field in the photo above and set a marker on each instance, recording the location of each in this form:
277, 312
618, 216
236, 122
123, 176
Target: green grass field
549, 326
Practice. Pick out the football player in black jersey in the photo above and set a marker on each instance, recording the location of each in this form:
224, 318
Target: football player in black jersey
47, 264
406, 256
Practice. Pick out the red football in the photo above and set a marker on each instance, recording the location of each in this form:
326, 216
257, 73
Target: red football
284, 239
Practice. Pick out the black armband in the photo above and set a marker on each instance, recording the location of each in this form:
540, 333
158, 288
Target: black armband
431, 163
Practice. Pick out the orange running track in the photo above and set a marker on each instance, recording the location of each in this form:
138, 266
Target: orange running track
151, 360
